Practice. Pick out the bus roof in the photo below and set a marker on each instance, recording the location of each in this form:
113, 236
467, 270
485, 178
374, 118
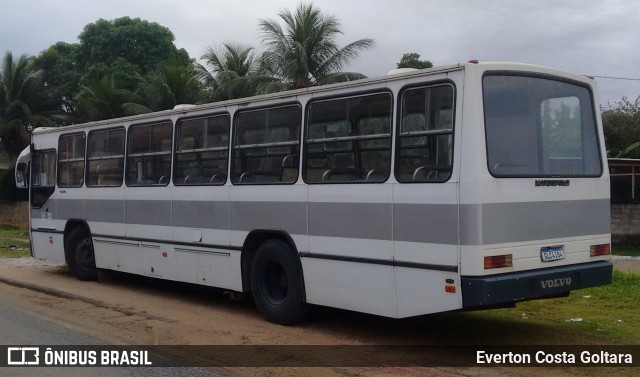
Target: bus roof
392, 76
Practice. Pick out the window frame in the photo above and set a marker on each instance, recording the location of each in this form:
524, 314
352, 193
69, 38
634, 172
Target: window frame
539, 130
354, 139
124, 157
234, 133
59, 160
398, 130
128, 155
175, 148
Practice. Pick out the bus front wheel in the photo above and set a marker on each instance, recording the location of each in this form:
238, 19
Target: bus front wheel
276, 283
80, 255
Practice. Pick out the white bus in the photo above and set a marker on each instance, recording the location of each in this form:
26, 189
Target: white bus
475, 185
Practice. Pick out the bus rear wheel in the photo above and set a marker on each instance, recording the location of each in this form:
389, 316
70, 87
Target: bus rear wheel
276, 283
80, 256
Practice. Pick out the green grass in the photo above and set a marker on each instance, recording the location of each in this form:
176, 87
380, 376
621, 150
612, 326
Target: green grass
14, 243
14, 248
14, 233
627, 250
602, 315
610, 315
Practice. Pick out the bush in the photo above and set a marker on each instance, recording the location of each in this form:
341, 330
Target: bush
8, 189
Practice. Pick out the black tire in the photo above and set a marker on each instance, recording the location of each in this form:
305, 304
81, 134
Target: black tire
277, 284
80, 256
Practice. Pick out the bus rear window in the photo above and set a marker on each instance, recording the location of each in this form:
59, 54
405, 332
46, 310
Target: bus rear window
538, 127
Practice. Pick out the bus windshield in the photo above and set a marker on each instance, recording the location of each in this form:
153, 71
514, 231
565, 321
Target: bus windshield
539, 127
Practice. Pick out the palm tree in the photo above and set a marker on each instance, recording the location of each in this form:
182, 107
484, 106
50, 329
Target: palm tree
304, 52
23, 102
231, 71
105, 99
111, 96
171, 84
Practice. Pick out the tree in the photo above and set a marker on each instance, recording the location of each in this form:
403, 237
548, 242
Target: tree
412, 60
60, 73
24, 102
622, 128
231, 71
114, 68
125, 49
105, 99
170, 84
141, 43
304, 52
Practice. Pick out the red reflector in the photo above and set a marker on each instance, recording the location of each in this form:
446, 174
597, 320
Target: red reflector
596, 250
450, 288
474, 61
164, 254
498, 261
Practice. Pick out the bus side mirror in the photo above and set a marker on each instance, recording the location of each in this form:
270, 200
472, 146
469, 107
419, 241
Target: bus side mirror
21, 175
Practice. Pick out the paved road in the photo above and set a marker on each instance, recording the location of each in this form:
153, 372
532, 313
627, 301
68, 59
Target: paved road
22, 328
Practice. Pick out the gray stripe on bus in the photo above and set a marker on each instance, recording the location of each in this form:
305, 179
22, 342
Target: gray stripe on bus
148, 212
288, 216
480, 224
106, 211
200, 214
527, 221
73, 208
351, 220
427, 223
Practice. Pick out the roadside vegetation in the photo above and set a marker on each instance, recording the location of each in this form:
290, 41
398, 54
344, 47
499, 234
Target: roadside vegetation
14, 243
14, 233
626, 250
601, 315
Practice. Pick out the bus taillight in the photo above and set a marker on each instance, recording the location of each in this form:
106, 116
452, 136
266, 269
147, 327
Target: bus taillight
596, 250
498, 261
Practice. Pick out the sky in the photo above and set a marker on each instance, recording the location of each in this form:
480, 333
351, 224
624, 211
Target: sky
596, 38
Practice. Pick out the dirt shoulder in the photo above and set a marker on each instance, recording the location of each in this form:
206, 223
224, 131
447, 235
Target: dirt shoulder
126, 309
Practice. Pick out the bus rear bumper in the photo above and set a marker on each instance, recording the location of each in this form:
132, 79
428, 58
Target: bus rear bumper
509, 288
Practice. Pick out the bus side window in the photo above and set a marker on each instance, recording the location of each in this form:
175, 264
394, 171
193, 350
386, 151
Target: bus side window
149, 154
71, 160
425, 135
266, 145
202, 150
349, 139
105, 158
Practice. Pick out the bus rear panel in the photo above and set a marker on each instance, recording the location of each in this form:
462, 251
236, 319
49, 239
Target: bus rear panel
535, 218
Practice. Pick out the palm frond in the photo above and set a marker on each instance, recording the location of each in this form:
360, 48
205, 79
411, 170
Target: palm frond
301, 49
343, 56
